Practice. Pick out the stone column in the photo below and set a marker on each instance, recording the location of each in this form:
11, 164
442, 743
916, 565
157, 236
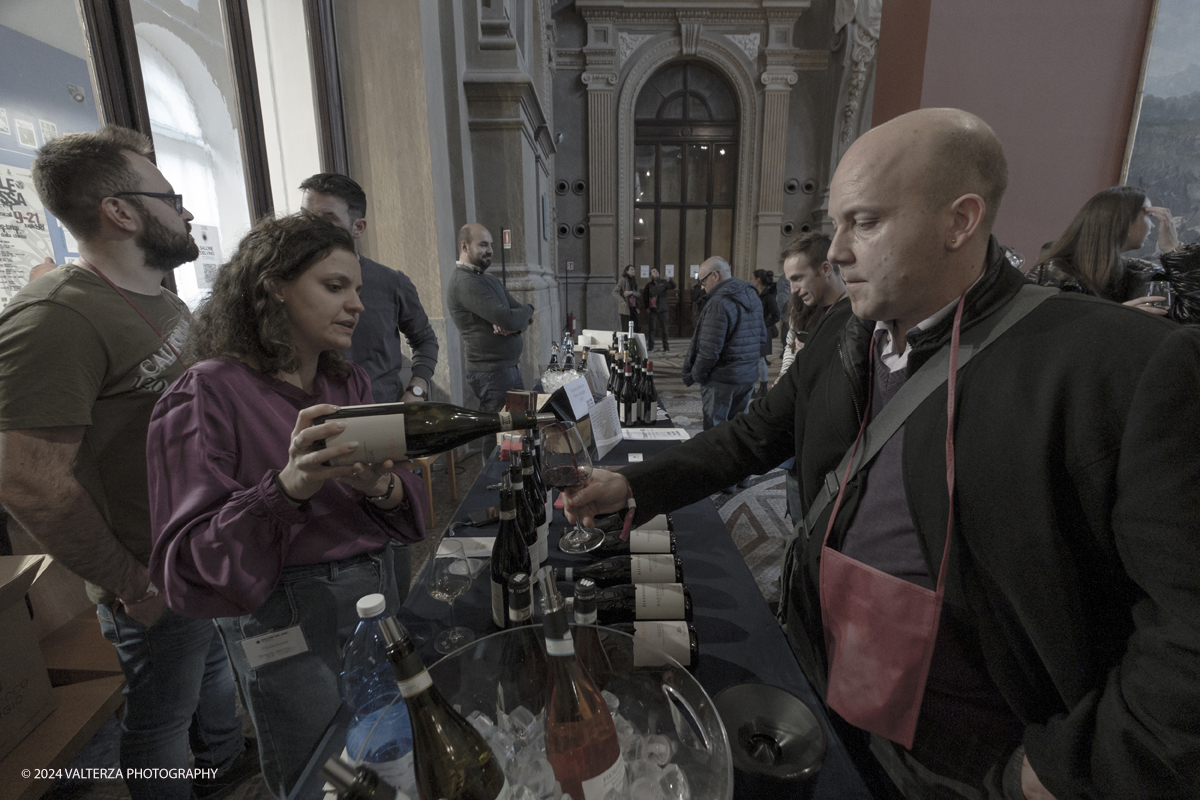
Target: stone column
778, 79
600, 77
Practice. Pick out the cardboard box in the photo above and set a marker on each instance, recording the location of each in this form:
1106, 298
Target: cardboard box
25, 695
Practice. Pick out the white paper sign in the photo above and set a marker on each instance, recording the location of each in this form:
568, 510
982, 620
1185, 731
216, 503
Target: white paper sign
580, 395
570, 266
4, 122
208, 239
274, 646
695, 270
645, 270
635, 458
606, 425
25, 133
24, 235
670, 270
656, 434
49, 130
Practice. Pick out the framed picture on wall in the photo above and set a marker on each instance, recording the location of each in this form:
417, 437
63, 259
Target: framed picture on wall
1160, 154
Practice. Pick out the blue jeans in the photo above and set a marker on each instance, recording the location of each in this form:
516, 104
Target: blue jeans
490, 387
178, 691
723, 401
293, 700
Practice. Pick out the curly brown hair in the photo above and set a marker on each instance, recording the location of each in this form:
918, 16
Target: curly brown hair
241, 318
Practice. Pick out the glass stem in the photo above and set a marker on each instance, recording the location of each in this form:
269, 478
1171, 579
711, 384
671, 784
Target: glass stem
453, 624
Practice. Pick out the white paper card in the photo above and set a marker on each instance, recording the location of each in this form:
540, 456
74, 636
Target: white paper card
670, 270
656, 434
645, 270
606, 425
695, 270
274, 646
474, 546
580, 396
208, 239
635, 458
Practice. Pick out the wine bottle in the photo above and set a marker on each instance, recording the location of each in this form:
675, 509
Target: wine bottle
649, 397
641, 542
525, 520
569, 356
616, 522
452, 760
356, 783
626, 401
653, 638
629, 602
510, 554
543, 489
523, 656
581, 739
553, 367
630, 569
398, 431
588, 648
537, 503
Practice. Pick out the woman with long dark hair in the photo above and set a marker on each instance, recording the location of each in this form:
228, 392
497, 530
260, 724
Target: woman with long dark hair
1087, 257
626, 293
764, 284
249, 525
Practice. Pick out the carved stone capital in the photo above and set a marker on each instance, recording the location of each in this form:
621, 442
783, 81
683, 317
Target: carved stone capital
601, 80
778, 79
748, 42
629, 42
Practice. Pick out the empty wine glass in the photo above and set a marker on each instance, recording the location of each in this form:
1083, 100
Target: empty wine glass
450, 579
566, 465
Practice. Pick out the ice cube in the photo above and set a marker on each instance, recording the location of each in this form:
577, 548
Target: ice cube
522, 793
537, 774
613, 701
645, 789
658, 749
482, 722
674, 783
522, 723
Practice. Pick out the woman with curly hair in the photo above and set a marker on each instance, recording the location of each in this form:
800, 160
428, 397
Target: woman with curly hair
1087, 257
249, 524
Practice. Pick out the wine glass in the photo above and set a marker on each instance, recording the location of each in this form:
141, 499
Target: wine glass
450, 580
567, 466
1158, 289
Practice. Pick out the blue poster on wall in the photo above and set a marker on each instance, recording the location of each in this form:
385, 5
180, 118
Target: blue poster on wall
46, 92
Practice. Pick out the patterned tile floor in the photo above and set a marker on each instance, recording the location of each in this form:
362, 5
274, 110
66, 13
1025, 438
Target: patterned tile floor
755, 517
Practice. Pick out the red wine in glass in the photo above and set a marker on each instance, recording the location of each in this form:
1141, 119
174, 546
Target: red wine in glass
567, 477
567, 466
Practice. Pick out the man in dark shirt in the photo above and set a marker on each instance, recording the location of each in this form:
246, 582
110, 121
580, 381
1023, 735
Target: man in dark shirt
391, 306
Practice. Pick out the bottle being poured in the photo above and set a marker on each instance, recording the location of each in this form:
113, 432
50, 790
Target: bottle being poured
581, 739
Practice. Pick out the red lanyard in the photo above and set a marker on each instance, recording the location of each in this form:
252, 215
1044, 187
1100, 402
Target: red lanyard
153, 327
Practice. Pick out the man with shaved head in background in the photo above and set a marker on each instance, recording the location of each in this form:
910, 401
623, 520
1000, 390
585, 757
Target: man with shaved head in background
1041, 641
490, 320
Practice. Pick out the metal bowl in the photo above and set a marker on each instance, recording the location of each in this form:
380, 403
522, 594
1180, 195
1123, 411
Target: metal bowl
774, 733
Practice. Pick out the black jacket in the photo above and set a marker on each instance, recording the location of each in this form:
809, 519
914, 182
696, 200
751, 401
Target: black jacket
1076, 554
728, 336
657, 289
770, 317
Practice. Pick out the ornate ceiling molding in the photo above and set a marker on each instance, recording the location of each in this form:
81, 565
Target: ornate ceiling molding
628, 42
748, 42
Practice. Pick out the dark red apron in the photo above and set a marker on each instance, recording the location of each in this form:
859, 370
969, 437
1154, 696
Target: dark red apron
880, 630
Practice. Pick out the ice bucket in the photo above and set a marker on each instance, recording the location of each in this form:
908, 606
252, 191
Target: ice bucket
664, 700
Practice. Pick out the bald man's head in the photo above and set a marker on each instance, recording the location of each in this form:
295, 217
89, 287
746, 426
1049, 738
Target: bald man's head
475, 245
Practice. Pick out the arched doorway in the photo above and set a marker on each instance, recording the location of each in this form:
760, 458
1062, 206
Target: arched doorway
685, 176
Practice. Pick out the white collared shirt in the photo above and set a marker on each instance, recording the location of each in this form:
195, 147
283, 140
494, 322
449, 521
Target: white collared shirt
885, 338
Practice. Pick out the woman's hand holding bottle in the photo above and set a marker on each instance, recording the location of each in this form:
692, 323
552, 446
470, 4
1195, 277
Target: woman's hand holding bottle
306, 469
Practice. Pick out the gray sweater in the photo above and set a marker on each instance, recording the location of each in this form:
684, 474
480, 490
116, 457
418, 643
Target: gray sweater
477, 301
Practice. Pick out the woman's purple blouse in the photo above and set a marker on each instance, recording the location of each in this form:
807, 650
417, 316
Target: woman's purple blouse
222, 530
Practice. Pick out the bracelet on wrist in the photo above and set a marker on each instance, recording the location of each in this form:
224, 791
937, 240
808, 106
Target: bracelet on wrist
279, 485
151, 591
379, 498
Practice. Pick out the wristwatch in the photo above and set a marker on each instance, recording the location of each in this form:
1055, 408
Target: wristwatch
418, 390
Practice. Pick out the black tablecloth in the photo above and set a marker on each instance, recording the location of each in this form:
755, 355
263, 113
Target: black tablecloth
740, 641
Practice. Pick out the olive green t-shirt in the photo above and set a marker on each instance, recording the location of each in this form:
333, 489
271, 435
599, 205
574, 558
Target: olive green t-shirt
74, 352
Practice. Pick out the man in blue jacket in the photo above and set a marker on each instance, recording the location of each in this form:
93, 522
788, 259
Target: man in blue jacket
723, 356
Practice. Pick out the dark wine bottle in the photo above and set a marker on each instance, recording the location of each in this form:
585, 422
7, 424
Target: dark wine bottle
356, 783
537, 504
626, 398
651, 639
523, 656
581, 739
450, 758
569, 355
588, 648
510, 555
641, 542
646, 601
553, 367
616, 522
636, 569
397, 431
649, 397
525, 520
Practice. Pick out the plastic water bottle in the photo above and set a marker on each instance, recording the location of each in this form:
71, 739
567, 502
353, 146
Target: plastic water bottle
379, 735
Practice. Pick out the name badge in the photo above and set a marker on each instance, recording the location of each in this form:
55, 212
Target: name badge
274, 646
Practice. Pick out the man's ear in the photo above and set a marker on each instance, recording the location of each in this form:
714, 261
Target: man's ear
358, 226
826, 268
966, 220
120, 214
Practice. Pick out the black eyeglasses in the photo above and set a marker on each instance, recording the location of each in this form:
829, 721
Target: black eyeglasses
703, 280
176, 199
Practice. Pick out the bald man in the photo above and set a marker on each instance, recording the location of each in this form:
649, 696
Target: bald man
1063, 661
490, 320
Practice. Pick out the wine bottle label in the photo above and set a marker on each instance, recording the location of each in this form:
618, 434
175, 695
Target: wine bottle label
517, 616
659, 601
611, 780
569, 574
652, 639
505, 421
641, 541
652, 568
498, 614
508, 514
585, 619
652, 415
380, 438
543, 543
560, 647
658, 523
416, 684
399, 773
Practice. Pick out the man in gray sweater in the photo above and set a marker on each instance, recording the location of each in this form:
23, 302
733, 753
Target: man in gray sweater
490, 320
